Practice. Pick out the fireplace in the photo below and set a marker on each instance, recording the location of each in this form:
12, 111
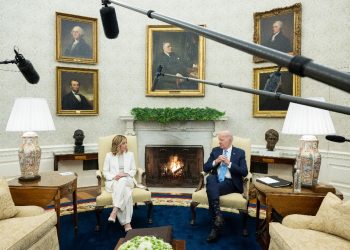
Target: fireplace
173, 165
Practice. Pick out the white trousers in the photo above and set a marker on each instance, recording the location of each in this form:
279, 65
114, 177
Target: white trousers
122, 198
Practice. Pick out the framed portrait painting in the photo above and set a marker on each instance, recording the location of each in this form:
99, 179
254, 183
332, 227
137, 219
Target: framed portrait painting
279, 29
264, 106
77, 91
76, 39
180, 53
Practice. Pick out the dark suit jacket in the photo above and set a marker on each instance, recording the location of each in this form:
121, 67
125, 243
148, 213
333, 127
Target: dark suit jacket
172, 64
70, 102
280, 43
238, 168
82, 49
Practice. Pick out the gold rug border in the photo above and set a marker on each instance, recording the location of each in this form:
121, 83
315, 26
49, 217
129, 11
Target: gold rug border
157, 201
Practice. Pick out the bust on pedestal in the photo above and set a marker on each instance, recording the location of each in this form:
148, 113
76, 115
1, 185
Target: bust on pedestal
79, 138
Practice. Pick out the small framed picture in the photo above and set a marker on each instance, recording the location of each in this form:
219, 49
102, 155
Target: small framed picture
279, 29
77, 91
76, 39
180, 53
264, 106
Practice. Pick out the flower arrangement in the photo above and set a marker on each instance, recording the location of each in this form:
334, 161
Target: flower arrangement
145, 243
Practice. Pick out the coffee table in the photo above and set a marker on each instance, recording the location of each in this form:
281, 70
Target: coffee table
177, 244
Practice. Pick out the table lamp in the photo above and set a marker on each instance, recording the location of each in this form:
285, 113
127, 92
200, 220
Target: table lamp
308, 122
29, 115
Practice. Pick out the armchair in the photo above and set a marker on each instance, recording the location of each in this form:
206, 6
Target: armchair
233, 200
25, 227
138, 194
328, 229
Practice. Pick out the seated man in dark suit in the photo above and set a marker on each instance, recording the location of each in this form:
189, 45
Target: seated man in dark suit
73, 100
227, 167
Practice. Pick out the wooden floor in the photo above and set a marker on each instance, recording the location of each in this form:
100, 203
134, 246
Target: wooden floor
83, 193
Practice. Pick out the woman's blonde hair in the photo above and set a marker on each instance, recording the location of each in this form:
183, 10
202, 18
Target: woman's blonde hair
116, 142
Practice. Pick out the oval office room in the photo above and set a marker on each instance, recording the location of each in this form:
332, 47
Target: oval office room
180, 125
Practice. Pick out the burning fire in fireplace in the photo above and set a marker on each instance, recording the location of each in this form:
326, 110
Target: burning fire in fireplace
174, 167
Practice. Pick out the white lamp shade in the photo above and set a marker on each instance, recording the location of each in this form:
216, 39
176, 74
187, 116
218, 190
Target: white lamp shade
305, 120
30, 114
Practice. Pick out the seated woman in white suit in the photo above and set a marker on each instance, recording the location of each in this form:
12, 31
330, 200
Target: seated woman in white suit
119, 169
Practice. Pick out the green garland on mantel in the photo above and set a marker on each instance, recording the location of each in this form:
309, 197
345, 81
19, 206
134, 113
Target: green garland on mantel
166, 115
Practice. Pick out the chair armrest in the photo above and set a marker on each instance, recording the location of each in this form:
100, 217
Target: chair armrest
99, 180
140, 176
298, 221
201, 181
26, 211
246, 183
98, 174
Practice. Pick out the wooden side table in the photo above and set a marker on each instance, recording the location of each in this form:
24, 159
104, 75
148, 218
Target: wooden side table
284, 201
64, 156
272, 159
50, 188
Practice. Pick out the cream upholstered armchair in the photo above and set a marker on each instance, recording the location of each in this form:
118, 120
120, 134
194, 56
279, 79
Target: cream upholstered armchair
25, 227
329, 229
138, 194
233, 200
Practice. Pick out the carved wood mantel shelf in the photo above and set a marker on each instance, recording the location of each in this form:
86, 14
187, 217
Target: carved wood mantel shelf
179, 125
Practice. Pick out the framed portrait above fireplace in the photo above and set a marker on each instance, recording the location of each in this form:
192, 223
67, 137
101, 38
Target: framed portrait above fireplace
180, 53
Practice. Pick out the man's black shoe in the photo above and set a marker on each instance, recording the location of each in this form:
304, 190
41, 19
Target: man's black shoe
219, 221
213, 236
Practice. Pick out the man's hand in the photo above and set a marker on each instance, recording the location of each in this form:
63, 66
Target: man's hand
222, 158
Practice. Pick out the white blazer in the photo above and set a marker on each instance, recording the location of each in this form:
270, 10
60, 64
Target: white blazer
111, 167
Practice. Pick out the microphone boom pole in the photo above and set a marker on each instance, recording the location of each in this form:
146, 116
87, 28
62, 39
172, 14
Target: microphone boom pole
299, 65
275, 95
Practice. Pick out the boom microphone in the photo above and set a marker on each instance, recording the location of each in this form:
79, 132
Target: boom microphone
336, 138
156, 78
109, 20
26, 68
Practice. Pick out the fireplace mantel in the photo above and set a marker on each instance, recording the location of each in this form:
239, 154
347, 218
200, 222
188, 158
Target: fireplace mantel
173, 133
131, 125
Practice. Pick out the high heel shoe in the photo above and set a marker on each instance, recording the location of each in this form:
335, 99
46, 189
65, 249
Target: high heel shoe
113, 215
128, 228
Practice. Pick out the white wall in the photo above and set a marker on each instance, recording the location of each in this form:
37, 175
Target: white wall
31, 26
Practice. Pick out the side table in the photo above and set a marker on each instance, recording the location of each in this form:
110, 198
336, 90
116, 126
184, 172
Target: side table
64, 156
50, 188
284, 201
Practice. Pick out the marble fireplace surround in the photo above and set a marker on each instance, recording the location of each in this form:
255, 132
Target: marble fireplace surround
174, 133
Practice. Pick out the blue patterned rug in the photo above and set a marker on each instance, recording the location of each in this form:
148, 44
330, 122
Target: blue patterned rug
176, 216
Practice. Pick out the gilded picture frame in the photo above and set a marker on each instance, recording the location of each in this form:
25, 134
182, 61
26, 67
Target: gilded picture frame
76, 39
180, 53
279, 29
76, 91
264, 106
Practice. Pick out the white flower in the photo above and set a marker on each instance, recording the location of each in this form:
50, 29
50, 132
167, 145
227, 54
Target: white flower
146, 245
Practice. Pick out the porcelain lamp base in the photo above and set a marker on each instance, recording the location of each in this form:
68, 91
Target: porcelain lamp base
309, 160
29, 155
